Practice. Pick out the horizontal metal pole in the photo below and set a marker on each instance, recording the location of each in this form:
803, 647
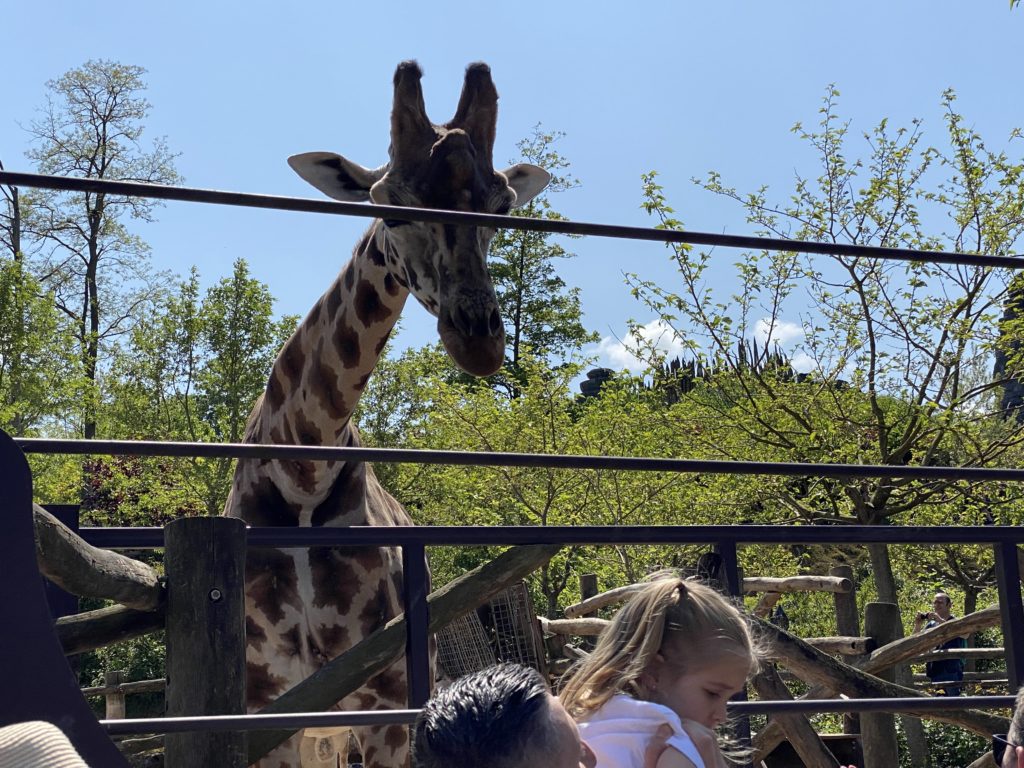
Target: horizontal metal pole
456, 535
306, 205
487, 458
257, 722
403, 716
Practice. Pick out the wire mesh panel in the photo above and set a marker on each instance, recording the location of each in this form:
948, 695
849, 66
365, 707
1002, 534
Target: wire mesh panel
463, 647
516, 637
502, 630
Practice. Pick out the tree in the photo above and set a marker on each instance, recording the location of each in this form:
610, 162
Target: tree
38, 378
194, 369
541, 313
898, 352
94, 266
10, 220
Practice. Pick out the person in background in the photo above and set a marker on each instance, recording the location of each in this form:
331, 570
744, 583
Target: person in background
503, 716
946, 673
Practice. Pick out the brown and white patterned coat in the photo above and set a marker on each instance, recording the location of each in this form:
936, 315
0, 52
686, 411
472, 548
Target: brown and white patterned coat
304, 607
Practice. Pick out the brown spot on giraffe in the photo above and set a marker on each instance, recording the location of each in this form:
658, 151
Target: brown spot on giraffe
271, 582
335, 582
324, 386
345, 497
262, 687
346, 342
369, 308
254, 634
319, 601
263, 504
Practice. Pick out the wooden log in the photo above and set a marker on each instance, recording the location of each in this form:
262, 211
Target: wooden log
969, 677
344, 674
106, 626
750, 584
797, 584
205, 563
961, 653
771, 735
808, 745
611, 597
878, 729
84, 570
115, 705
847, 623
139, 686
845, 646
765, 604
581, 627
588, 588
829, 675
914, 645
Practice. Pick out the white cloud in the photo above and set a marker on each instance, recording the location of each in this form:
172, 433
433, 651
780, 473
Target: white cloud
803, 363
780, 332
616, 354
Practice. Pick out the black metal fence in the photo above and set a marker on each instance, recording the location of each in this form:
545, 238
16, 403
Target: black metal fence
413, 541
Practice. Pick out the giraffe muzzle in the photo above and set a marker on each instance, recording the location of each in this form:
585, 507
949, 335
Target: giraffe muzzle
474, 338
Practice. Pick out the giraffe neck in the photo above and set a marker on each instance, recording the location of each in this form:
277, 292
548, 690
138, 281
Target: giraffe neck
321, 372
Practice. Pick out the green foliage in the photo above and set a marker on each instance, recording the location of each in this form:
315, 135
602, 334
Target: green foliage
39, 375
542, 314
192, 371
93, 266
896, 351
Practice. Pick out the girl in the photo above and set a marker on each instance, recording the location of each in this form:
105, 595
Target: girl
675, 654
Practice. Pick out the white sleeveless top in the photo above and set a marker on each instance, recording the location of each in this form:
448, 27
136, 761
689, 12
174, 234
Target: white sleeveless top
620, 731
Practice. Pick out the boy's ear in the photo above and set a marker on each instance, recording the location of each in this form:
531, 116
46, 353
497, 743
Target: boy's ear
1020, 756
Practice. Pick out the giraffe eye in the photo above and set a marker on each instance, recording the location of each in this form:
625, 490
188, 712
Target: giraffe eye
392, 223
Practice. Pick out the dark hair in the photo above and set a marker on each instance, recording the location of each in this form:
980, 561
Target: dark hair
491, 717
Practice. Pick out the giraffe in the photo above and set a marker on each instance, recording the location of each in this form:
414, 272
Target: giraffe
305, 607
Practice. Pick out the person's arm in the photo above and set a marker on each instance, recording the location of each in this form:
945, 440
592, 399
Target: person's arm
657, 745
673, 758
706, 742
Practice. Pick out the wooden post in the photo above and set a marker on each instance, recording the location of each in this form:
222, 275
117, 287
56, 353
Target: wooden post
847, 623
115, 701
205, 564
588, 588
878, 729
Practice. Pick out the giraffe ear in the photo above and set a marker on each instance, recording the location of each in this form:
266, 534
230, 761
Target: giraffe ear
335, 176
527, 180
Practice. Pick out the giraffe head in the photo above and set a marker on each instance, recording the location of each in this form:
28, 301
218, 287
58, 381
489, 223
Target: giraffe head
439, 166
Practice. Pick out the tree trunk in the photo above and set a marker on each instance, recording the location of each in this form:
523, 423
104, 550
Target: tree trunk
970, 606
881, 568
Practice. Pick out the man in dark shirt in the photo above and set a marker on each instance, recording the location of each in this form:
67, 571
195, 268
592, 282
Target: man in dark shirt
947, 673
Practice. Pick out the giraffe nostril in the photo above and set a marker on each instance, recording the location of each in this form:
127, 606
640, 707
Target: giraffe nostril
495, 321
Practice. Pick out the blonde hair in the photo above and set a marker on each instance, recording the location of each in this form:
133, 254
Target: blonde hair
671, 616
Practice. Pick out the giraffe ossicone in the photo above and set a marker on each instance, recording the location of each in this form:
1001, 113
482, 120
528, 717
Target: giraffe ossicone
307, 606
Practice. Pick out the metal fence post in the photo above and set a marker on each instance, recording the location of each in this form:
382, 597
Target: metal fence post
1008, 581
415, 584
205, 565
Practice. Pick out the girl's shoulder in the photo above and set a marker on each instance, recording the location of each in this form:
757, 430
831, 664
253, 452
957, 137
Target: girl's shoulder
673, 758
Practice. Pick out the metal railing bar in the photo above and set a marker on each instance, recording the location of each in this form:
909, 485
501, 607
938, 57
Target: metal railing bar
256, 722
366, 210
539, 460
455, 535
405, 716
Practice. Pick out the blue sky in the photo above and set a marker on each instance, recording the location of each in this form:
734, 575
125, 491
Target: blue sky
675, 86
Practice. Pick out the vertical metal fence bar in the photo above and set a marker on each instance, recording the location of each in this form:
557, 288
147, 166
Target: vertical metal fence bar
1008, 581
415, 584
731, 571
